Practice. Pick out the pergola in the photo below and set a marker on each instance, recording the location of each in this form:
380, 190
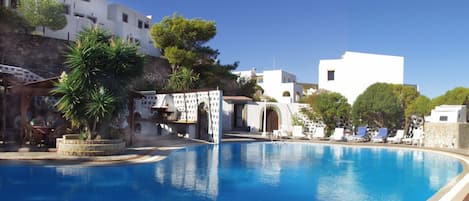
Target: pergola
26, 91
6, 81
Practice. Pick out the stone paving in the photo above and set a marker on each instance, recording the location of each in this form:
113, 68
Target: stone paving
144, 150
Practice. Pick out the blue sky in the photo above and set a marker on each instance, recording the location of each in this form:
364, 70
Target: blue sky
432, 35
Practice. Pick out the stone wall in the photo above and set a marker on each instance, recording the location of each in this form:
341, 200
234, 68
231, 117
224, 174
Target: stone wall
77, 147
447, 135
45, 57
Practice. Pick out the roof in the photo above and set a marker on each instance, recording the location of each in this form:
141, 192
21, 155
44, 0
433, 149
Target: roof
36, 88
237, 98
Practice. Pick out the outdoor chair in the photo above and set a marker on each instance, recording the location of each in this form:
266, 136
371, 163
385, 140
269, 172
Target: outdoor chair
361, 134
397, 138
338, 134
318, 133
382, 135
417, 138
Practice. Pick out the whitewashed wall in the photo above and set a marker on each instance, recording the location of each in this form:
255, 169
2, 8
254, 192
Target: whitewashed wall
107, 17
354, 72
255, 110
187, 103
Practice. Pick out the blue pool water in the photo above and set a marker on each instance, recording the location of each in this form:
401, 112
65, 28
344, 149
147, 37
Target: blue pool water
243, 171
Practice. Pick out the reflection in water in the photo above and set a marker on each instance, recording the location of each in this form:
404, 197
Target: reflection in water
192, 169
244, 171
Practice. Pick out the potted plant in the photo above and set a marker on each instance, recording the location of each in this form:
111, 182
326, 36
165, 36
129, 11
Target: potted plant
297, 126
95, 89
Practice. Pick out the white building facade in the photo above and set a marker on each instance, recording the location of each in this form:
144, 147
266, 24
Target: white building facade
118, 19
278, 84
241, 113
354, 72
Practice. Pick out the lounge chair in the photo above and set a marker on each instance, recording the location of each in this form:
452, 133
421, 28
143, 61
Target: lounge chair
361, 134
397, 138
284, 132
382, 135
338, 134
318, 133
297, 132
417, 138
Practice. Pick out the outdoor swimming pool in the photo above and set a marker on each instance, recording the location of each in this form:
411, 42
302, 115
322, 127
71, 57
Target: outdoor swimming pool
244, 171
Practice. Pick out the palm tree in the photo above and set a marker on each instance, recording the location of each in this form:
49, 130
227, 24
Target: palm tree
96, 87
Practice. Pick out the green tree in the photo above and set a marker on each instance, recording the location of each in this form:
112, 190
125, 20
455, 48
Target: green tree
330, 107
420, 106
12, 22
406, 95
44, 13
96, 88
182, 80
182, 42
378, 106
456, 96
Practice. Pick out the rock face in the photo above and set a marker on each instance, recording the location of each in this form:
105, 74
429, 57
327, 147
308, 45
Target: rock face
45, 57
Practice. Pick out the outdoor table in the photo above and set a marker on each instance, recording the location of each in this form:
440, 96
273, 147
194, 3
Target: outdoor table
40, 133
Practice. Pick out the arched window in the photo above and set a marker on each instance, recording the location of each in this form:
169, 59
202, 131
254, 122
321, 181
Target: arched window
286, 94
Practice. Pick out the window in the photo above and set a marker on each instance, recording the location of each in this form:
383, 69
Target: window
140, 24
146, 25
125, 18
78, 15
137, 42
93, 19
66, 9
330, 75
443, 118
2, 3
86, 0
286, 94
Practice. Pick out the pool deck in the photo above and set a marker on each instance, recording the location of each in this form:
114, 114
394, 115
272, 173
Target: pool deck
156, 149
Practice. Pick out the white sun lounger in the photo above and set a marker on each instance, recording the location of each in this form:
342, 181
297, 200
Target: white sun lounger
338, 134
397, 138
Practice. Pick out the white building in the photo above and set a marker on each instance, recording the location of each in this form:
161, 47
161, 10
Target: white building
278, 84
119, 20
354, 72
448, 114
242, 114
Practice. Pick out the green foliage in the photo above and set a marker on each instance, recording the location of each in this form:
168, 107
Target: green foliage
296, 121
96, 88
378, 106
215, 75
100, 106
330, 107
406, 95
179, 57
421, 106
182, 42
456, 96
182, 80
13, 21
247, 88
45, 13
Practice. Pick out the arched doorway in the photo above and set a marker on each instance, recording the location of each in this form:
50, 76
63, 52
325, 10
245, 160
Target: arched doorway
272, 119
